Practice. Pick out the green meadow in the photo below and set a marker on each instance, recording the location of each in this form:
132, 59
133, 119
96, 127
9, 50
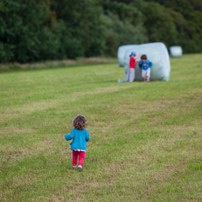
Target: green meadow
146, 138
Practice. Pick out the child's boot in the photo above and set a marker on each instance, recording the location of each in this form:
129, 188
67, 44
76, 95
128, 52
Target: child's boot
80, 168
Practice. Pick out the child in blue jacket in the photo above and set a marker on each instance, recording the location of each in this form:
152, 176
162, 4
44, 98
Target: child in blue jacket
146, 68
79, 136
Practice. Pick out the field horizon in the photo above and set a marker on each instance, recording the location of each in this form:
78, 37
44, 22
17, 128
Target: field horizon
146, 138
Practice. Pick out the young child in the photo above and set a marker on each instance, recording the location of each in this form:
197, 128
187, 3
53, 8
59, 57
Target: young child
80, 136
130, 76
146, 68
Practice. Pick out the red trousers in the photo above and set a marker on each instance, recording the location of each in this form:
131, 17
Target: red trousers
75, 155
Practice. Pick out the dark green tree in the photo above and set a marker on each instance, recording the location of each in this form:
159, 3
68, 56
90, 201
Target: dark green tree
120, 33
25, 35
83, 23
159, 24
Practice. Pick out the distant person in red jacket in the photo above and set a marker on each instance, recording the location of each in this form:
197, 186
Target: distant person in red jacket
130, 76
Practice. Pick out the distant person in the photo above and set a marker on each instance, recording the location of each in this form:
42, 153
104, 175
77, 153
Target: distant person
146, 68
130, 76
79, 136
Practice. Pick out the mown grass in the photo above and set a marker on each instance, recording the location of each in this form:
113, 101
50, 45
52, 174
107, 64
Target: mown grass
146, 138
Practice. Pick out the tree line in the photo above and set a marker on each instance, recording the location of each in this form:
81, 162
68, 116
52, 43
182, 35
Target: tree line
50, 29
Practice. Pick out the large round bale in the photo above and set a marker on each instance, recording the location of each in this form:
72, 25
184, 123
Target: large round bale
176, 51
121, 53
157, 53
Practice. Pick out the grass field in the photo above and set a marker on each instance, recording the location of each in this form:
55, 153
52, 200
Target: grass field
146, 138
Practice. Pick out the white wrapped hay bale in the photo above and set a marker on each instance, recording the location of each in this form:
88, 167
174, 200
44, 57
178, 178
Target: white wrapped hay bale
121, 53
176, 51
157, 53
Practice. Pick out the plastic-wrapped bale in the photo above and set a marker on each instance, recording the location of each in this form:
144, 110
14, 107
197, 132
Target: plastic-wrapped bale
157, 53
176, 51
121, 53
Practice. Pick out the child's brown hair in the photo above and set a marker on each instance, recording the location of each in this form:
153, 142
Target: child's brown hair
143, 57
79, 122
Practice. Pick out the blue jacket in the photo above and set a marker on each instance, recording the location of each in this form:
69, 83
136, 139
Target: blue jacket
145, 65
80, 137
